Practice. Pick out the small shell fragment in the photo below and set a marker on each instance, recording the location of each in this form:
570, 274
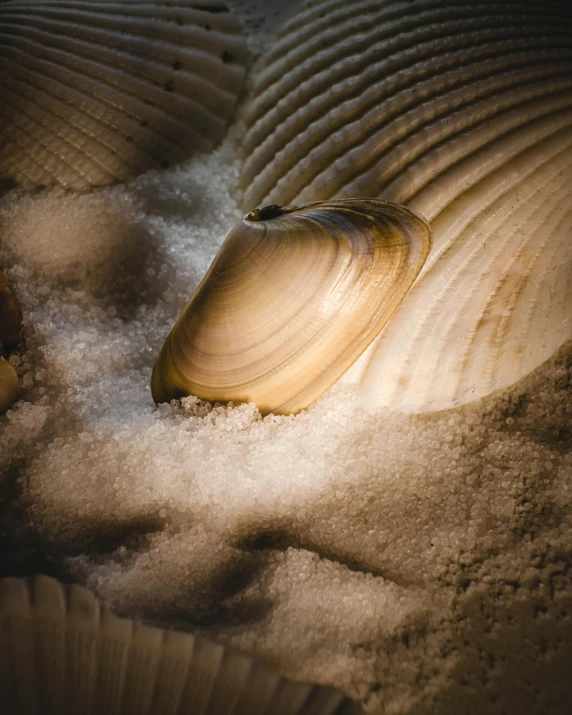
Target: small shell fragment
292, 299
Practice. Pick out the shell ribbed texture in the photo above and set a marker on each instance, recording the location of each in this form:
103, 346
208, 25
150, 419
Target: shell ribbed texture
62, 652
93, 92
462, 112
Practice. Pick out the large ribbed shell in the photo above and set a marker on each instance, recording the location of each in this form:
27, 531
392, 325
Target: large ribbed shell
62, 653
463, 112
94, 91
292, 299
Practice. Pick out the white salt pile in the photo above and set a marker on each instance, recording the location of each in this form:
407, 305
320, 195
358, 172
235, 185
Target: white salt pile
422, 564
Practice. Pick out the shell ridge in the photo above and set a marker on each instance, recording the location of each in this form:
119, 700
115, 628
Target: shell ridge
33, 121
386, 122
39, 74
465, 146
566, 303
384, 40
387, 21
341, 148
352, 65
126, 45
520, 173
110, 15
350, 104
74, 113
453, 131
486, 160
64, 138
60, 65
145, 83
117, 62
43, 69
451, 318
523, 280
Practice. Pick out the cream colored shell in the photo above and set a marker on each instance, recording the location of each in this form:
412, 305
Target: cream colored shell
95, 91
462, 112
61, 651
293, 297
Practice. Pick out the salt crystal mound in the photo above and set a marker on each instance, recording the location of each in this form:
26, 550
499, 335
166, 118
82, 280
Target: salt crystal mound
419, 563
462, 112
62, 651
95, 92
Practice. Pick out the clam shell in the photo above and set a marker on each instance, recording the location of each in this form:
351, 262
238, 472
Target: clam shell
293, 297
10, 315
95, 91
9, 384
62, 652
462, 112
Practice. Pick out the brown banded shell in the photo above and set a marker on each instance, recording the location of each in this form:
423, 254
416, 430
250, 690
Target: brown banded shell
292, 299
96, 91
463, 113
64, 652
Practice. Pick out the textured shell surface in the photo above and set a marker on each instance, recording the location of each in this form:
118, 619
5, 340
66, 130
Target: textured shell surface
462, 112
292, 299
95, 91
62, 651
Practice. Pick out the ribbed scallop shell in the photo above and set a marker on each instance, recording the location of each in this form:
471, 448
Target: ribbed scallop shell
463, 112
62, 652
292, 299
94, 91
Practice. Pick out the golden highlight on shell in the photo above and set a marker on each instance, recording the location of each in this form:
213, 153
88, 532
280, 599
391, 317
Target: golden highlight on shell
62, 651
98, 91
292, 299
463, 113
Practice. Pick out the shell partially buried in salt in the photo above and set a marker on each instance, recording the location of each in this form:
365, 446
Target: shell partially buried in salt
95, 92
293, 297
463, 112
61, 651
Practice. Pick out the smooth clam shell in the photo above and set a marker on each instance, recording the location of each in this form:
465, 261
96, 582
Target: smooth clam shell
96, 91
61, 651
462, 112
292, 299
